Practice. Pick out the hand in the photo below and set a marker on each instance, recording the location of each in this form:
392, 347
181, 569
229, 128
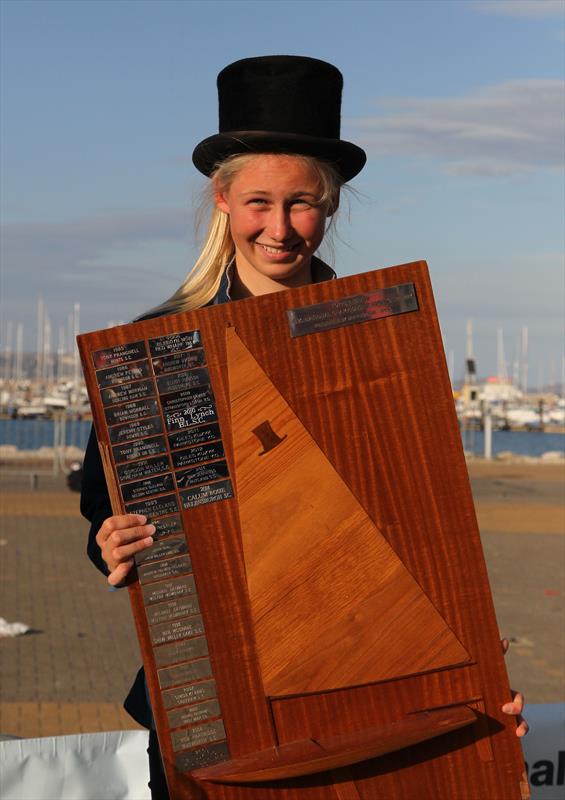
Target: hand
516, 707
119, 538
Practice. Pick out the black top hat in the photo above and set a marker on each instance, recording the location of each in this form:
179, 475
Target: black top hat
280, 104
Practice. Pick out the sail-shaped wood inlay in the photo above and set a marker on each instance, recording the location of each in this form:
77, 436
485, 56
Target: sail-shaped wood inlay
333, 606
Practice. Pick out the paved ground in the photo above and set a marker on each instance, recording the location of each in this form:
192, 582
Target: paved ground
71, 674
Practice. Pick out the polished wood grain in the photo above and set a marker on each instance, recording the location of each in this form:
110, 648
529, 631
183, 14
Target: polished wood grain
327, 591
310, 756
375, 403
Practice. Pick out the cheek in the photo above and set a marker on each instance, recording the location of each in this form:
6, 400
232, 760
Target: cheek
314, 228
243, 224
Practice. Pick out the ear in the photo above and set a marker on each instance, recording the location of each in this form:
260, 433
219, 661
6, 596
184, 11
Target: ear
220, 199
334, 204
221, 202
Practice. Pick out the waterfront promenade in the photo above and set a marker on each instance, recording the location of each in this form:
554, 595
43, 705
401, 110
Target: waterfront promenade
71, 673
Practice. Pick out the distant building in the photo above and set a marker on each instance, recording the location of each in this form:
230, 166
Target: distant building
499, 390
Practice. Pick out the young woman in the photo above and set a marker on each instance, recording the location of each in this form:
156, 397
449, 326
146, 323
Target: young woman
276, 169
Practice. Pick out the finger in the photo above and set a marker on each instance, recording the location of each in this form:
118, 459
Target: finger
522, 728
516, 706
117, 523
126, 536
125, 550
120, 573
505, 644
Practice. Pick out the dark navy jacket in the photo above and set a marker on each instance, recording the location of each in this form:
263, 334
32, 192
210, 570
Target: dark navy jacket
95, 503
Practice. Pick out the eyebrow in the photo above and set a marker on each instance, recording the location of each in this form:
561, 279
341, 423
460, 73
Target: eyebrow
299, 193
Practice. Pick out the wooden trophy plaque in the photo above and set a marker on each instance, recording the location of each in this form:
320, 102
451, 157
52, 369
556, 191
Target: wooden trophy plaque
314, 617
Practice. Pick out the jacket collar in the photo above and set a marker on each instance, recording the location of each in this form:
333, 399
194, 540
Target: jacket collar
320, 272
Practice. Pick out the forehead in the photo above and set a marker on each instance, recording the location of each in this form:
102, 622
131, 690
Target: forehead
273, 172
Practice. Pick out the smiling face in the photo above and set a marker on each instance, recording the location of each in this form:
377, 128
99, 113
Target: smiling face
277, 222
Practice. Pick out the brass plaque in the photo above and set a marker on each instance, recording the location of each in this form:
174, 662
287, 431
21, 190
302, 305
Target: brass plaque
162, 548
172, 609
201, 712
203, 757
161, 570
185, 695
186, 650
201, 734
184, 673
176, 629
170, 590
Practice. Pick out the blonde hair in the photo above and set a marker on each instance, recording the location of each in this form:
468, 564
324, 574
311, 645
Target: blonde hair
203, 281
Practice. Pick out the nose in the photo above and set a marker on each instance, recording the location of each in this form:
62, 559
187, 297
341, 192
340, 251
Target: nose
278, 226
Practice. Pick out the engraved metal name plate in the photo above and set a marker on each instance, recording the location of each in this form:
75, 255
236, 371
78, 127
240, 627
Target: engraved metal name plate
142, 469
168, 590
172, 546
202, 757
140, 449
171, 609
177, 629
167, 525
201, 712
193, 693
122, 373
161, 570
209, 493
127, 392
185, 651
352, 310
184, 673
201, 734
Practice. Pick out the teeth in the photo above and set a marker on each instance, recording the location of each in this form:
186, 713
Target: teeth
273, 250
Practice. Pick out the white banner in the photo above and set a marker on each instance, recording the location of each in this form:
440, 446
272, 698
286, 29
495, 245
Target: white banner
114, 766
88, 766
544, 750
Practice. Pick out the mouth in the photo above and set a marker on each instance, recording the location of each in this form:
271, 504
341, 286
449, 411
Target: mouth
280, 252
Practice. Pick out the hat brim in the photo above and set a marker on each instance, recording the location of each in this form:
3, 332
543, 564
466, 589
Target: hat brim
348, 158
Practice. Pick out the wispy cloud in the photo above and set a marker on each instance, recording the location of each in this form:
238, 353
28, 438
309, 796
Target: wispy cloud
511, 127
103, 262
530, 9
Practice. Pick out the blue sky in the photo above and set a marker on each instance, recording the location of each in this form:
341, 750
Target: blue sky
458, 103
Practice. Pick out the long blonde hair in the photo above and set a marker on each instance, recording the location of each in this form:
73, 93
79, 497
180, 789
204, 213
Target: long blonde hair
203, 281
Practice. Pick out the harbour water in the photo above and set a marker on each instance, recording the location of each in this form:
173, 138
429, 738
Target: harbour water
31, 434
524, 443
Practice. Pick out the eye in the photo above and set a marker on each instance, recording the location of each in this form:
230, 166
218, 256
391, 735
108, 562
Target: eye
257, 201
302, 202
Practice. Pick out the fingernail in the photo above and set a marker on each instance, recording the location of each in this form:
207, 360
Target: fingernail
151, 529
149, 540
508, 708
141, 519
